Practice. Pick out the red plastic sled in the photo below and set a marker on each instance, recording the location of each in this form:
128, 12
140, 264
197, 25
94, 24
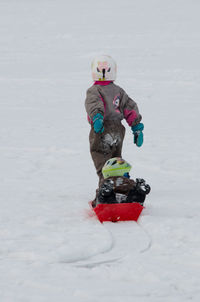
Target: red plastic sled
118, 211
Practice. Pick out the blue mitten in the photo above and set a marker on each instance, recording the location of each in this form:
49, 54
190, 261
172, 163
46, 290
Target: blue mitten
98, 123
138, 134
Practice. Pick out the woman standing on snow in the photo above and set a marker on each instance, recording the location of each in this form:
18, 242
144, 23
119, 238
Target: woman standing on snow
107, 105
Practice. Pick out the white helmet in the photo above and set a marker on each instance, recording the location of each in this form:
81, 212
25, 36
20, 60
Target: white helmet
104, 68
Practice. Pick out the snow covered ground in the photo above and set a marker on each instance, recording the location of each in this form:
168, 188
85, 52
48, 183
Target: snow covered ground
50, 248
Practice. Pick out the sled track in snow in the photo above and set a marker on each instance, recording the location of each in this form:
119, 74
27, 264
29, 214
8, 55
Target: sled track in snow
122, 235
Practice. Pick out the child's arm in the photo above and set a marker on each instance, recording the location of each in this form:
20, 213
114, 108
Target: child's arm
95, 109
94, 103
130, 109
133, 117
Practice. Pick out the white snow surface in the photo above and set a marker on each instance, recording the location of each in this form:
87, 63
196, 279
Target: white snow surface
51, 248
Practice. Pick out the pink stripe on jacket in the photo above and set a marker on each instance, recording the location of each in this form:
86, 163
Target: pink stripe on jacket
130, 116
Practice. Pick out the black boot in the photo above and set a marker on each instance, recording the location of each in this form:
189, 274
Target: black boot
106, 193
139, 192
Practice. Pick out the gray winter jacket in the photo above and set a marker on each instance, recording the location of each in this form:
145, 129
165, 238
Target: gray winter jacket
112, 102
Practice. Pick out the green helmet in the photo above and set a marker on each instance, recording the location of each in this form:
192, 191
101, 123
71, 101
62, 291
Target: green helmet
116, 167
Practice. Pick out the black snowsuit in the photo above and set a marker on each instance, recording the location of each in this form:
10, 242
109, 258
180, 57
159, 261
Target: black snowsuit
121, 189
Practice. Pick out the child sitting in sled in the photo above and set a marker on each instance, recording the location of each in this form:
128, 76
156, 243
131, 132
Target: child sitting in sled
117, 186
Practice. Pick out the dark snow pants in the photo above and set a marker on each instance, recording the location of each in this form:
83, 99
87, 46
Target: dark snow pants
106, 145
